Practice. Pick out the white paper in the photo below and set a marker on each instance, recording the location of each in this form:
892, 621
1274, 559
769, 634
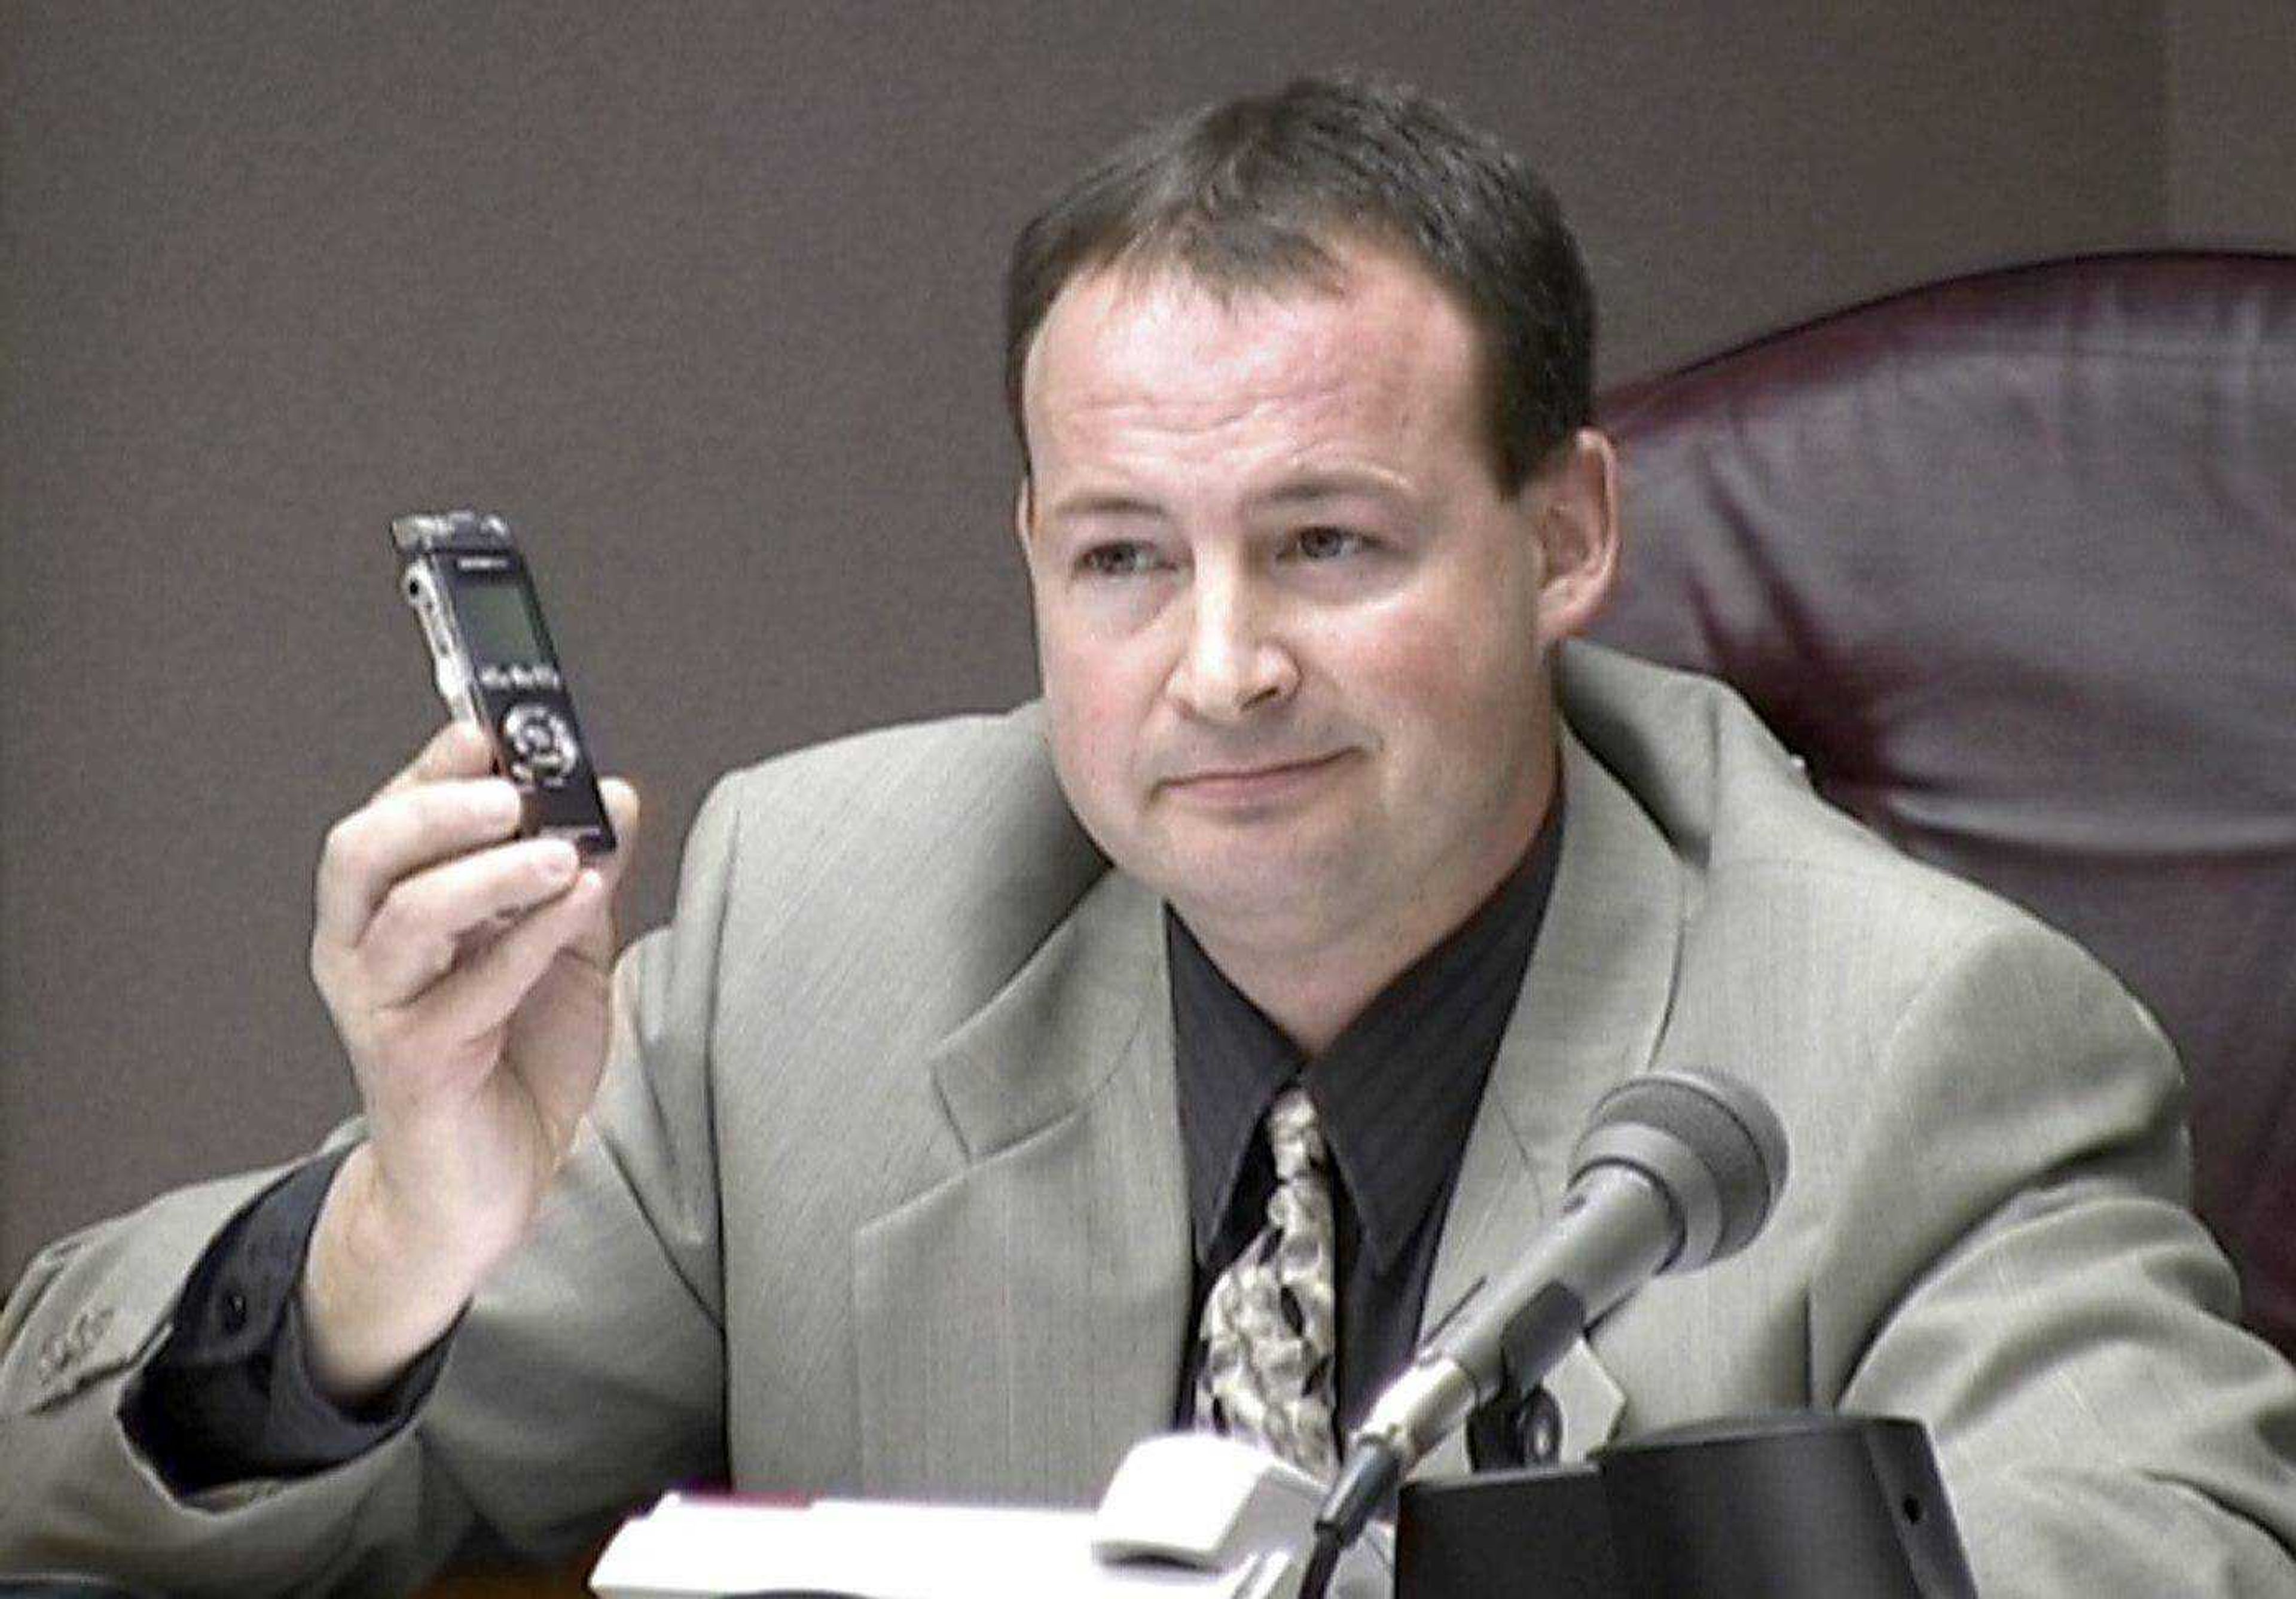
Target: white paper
689, 1548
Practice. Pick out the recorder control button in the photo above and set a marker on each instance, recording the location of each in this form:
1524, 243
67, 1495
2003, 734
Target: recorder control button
540, 743
493, 677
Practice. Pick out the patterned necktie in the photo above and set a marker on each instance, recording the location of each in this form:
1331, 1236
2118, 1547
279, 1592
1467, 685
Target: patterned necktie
1265, 1369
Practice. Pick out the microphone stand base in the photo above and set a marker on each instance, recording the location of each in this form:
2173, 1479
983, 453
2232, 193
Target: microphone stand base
1792, 1505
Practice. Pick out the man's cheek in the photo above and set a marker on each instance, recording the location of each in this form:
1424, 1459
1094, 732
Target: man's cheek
1094, 755
1421, 675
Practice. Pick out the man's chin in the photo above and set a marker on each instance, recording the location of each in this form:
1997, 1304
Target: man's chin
1244, 884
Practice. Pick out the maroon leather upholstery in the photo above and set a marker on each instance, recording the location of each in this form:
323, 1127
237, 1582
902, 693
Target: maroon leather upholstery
2011, 561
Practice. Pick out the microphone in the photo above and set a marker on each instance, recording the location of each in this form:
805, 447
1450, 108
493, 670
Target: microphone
1675, 1170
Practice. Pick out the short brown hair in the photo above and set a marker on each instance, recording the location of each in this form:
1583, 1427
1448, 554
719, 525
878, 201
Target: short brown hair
1254, 193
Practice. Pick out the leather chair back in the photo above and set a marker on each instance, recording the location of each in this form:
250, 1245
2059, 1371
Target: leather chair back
2011, 561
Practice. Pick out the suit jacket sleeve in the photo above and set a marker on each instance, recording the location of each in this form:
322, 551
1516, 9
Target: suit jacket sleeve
607, 1323
2011, 1261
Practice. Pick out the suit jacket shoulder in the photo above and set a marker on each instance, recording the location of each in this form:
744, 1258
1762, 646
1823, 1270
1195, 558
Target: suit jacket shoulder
1985, 1225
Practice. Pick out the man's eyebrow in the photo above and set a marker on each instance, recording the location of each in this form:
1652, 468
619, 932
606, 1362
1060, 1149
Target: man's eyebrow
1102, 503
1307, 488
1333, 483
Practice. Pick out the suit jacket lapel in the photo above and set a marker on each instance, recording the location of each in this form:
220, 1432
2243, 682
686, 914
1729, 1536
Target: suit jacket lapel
1019, 1325
1592, 1005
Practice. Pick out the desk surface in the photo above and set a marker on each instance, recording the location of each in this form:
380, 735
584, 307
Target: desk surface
569, 1581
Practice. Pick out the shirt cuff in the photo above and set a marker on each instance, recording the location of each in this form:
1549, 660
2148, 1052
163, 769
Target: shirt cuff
230, 1397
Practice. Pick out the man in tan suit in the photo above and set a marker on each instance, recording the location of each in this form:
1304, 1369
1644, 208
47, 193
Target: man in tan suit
885, 1167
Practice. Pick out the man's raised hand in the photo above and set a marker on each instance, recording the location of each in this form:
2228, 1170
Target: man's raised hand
467, 972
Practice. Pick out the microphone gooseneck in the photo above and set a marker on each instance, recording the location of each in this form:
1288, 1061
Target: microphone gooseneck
1675, 1170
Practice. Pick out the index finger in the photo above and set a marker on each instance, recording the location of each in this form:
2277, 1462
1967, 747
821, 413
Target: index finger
397, 835
457, 750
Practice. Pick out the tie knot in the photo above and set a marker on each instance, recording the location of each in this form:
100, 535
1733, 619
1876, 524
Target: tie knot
1293, 1135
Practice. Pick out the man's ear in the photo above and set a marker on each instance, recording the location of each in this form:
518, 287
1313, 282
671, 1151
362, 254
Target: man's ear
1577, 509
1024, 511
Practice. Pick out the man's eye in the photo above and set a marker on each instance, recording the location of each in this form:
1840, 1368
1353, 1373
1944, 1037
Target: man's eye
1328, 544
1121, 560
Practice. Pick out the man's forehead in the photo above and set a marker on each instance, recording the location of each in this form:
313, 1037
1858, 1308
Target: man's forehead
1377, 327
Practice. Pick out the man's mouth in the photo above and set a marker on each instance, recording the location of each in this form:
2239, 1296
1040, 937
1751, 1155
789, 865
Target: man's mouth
1256, 782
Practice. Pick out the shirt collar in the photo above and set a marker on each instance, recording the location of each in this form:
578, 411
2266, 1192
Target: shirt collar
1396, 1092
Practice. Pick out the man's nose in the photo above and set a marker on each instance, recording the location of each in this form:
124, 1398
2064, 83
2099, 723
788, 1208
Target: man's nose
1235, 660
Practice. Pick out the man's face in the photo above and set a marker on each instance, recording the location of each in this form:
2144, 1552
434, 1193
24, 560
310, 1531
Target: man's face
1290, 629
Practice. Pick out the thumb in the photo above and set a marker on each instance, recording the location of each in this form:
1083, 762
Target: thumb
623, 810
595, 942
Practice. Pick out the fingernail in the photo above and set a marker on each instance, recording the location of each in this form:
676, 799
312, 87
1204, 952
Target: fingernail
559, 864
500, 804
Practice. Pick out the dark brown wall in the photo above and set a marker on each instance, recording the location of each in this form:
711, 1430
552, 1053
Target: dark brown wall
706, 299
2232, 121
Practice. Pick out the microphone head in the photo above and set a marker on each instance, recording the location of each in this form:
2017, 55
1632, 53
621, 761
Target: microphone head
1708, 1143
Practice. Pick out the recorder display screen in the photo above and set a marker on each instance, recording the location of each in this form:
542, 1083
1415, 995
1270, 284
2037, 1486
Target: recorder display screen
498, 624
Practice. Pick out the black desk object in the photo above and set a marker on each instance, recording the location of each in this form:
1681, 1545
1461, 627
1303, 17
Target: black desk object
1793, 1505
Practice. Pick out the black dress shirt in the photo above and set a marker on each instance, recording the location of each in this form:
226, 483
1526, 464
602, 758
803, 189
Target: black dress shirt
229, 1397
1396, 1094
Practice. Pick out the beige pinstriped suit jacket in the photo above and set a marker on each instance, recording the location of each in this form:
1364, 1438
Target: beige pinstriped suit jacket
884, 1192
